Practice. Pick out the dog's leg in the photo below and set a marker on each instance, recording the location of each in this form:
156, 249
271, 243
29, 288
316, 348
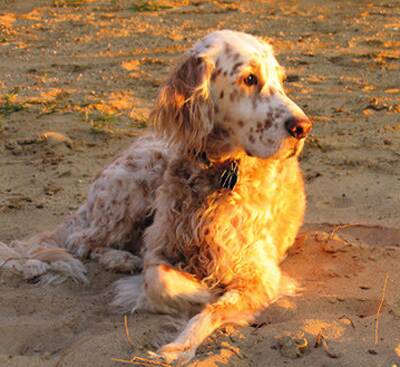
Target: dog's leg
41, 261
161, 288
129, 295
172, 291
232, 307
119, 261
57, 265
44, 257
115, 214
239, 305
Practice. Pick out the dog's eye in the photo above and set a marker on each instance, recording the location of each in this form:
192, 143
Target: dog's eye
251, 80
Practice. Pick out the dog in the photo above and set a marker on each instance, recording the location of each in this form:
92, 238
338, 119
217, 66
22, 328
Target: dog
206, 205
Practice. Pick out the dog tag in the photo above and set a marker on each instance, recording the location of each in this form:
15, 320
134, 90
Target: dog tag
229, 176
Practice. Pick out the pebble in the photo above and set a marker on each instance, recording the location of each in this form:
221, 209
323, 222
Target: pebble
293, 348
54, 138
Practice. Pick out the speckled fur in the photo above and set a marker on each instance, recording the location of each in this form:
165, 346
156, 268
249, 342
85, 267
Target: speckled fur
208, 252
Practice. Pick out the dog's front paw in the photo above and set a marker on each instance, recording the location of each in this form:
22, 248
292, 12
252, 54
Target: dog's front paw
179, 354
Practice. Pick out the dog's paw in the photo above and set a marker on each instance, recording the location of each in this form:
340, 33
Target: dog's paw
118, 261
71, 268
33, 269
39, 271
179, 354
81, 251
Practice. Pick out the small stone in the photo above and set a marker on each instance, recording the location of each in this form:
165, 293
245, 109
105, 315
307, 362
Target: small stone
46, 355
293, 348
66, 173
26, 141
15, 149
54, 138
50, 189
292, 78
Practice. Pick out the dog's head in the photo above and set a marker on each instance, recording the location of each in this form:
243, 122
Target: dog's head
227, 96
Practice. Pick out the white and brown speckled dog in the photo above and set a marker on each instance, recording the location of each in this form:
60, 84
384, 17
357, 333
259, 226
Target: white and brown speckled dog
212, 199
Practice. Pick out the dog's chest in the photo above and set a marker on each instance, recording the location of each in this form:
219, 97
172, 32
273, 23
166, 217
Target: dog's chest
214, 223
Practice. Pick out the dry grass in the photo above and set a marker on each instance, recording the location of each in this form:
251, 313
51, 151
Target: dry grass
148, 5
137, 361
68, 3
10, 105
102, 123
378, 312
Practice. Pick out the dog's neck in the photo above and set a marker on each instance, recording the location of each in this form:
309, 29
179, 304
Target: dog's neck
230, 162
221, 148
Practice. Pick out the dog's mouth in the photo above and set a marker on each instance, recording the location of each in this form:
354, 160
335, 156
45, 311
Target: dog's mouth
292, 154
296, 149
250, 154
290, 149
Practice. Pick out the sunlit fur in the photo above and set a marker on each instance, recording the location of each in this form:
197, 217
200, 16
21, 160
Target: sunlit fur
208, 252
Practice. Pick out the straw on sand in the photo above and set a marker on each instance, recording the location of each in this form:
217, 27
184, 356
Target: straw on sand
137, 361
378, 313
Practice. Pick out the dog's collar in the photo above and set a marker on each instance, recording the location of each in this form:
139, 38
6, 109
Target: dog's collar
228, 171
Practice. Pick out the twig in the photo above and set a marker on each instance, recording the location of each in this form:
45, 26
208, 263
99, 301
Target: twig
320, 341
128, 337
339, 227
380, 308
137, 361
348, 318
142, 361
132, 362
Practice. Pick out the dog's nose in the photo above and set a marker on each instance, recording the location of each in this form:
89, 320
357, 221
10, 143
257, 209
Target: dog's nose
298, 127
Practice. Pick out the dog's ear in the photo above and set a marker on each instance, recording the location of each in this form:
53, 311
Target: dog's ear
184, 110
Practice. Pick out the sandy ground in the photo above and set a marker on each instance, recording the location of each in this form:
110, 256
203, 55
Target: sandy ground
90, 70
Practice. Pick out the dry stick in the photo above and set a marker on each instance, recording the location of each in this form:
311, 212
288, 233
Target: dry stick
141, 361
339, 227
128, 337
138, 361
380, 308
133, 363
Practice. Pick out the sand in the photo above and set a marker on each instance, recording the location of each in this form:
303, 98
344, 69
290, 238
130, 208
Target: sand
89, 71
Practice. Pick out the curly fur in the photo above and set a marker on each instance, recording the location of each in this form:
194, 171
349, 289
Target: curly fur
209, 252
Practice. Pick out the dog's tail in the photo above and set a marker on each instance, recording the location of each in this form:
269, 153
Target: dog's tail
42, 258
